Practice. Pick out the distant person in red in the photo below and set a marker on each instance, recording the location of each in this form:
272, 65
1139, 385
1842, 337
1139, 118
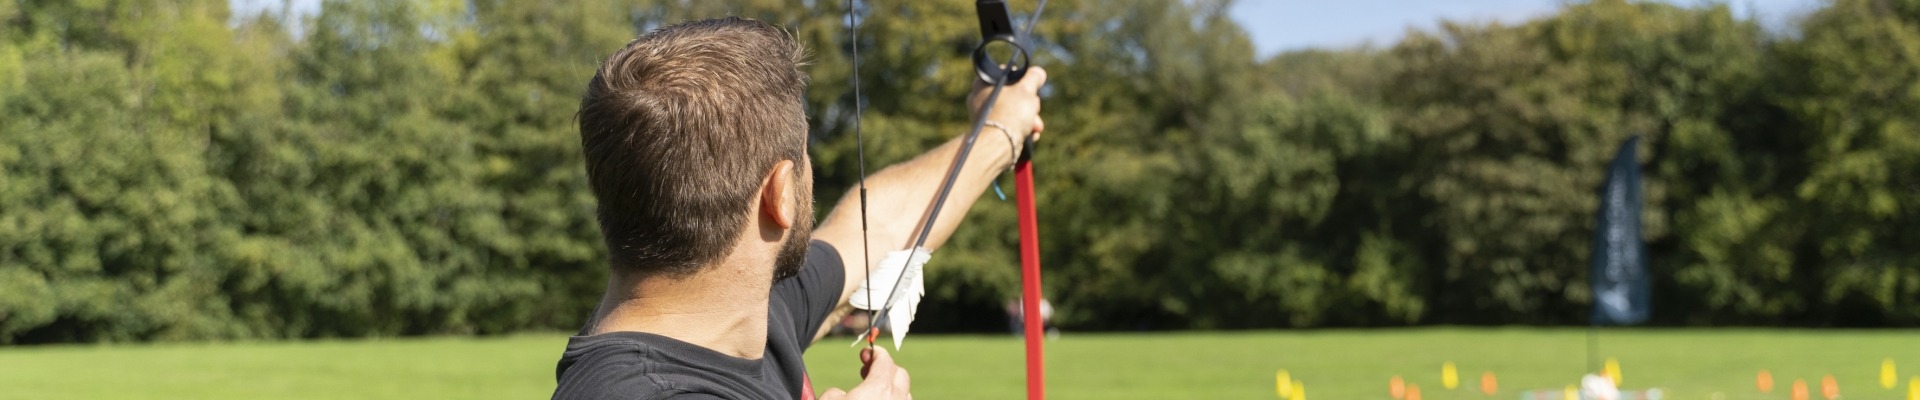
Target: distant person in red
695, 140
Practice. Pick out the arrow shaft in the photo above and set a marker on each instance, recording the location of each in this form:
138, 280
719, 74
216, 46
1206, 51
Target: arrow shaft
946, 188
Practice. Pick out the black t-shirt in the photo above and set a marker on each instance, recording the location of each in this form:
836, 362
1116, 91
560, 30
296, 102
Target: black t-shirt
635, 365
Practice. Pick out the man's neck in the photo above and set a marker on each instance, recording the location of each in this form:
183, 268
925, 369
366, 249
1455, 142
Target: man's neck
723, 307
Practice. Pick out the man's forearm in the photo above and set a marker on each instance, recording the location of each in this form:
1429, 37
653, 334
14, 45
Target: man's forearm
899, 198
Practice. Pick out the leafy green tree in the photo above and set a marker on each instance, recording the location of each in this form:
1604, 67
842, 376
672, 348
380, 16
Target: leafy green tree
113, 229
1515, 123
1850, 86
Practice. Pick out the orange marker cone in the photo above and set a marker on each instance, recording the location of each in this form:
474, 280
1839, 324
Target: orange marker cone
1799, 389
1829, 388
1397, 388
1488, 384
1764, 382
1413, 392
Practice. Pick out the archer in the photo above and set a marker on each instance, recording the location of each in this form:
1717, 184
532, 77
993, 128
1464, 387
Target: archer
695, 143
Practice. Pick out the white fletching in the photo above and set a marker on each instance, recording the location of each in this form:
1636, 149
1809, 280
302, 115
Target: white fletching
905, 298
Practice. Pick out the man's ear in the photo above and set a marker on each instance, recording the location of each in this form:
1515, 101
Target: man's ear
777, 194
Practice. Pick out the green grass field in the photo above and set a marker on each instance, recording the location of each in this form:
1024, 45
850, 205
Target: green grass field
1333, 364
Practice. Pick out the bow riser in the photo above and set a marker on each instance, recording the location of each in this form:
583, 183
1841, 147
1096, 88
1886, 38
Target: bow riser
1030, 272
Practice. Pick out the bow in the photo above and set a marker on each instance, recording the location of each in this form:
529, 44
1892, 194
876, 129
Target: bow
996, 29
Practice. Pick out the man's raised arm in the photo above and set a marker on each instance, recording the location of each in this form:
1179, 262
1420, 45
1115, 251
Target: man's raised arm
900, 196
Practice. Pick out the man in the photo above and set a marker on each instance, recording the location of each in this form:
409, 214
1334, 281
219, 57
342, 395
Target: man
695, 145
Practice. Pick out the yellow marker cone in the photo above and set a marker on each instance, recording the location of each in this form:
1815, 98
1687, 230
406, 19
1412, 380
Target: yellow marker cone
1299, 391
1913, 388
1283, 383
1397, 388
1449, 376
1889, 378
1572, 393
1613, 371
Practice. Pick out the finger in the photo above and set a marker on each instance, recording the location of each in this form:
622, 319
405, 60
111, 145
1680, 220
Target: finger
833, 393
901, 383
1039, 125
1035, 78
881, 369
866, 361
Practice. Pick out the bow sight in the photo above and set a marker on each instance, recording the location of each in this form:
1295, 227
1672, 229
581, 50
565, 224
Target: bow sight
996, 26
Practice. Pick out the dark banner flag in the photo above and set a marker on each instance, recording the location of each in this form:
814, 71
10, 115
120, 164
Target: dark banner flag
1621, 293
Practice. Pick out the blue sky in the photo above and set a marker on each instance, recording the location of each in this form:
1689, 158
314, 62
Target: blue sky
1281, 25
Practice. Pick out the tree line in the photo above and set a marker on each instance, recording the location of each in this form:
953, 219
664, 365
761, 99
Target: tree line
171, 170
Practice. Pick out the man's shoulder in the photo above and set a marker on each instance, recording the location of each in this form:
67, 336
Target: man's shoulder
635, 365
608, 367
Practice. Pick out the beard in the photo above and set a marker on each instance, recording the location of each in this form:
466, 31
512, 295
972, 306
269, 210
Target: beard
793, 252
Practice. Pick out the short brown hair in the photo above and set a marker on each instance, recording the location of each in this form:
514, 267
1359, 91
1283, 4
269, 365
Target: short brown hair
679, 128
